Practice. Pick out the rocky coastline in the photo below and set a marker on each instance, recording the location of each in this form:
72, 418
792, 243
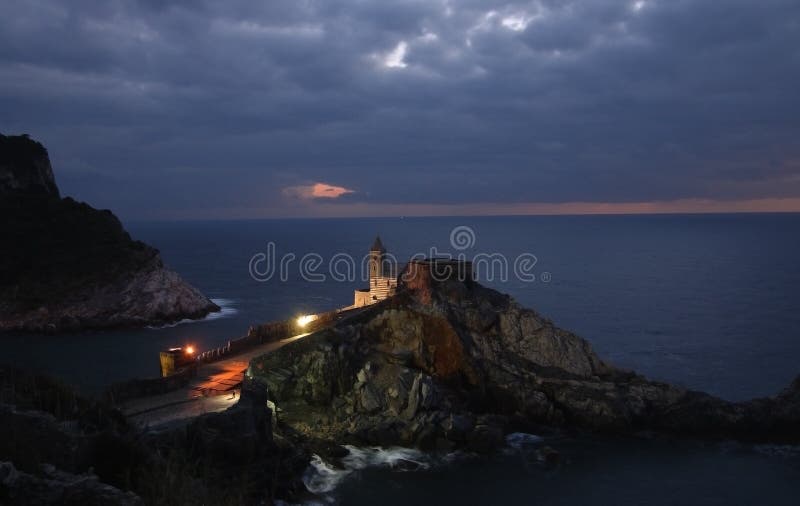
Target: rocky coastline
67, 266
452, 365
441, 366
444, 365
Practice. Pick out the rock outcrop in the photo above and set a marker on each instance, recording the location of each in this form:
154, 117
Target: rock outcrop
457, 365
53, 486
67, 266
57, 447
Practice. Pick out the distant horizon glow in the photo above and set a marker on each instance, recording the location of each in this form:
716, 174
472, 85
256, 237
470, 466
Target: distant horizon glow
320, 209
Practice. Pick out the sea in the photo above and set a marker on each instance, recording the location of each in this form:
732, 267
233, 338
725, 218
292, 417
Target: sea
709, 302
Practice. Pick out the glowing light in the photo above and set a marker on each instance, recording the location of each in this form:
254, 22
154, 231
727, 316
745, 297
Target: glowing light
304, 320
190, 350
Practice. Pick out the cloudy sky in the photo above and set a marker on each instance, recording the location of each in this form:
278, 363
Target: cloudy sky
208, 109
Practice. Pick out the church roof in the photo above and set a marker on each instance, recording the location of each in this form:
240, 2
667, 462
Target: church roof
377, 245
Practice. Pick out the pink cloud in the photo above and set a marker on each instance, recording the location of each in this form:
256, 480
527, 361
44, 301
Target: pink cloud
316, 191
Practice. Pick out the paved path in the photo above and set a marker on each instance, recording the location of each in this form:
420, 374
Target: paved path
215, 388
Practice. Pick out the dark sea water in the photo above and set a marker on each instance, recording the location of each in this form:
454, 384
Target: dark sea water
706, 301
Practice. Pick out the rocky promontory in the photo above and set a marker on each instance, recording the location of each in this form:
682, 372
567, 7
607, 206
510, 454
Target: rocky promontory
66, 266
451, 364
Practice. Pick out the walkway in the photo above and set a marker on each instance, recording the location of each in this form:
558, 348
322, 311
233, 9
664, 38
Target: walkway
215, 388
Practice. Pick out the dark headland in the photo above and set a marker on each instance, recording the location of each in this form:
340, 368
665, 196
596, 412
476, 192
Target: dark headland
66, 266
442, 365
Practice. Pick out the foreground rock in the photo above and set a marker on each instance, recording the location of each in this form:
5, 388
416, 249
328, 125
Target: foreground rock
67, 266
57, 447
456, 365
58, 487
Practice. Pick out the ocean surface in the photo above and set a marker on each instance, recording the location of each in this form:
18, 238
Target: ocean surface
705, 301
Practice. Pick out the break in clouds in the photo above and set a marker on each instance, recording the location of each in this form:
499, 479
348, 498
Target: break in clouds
172, 108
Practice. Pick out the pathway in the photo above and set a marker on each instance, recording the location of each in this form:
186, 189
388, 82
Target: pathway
215, 388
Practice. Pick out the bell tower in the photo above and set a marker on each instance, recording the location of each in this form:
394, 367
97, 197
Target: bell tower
376, 258
382, 277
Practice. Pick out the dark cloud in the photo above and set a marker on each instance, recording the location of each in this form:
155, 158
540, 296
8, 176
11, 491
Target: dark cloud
150, 107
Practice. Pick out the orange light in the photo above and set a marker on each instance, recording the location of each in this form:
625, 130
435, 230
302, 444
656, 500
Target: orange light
190, 350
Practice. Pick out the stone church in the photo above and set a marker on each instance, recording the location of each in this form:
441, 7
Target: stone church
382, 277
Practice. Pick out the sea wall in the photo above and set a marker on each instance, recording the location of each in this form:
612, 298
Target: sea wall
132, 389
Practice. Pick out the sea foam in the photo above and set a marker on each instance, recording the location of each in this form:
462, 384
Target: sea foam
322, 478
226, 309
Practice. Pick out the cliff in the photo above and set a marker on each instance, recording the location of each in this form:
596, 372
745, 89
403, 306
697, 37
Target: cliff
67, 266
456, 365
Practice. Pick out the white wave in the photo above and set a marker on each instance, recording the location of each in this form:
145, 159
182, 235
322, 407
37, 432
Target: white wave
322, 478
395, 457
521, 441
226, 309
775, 450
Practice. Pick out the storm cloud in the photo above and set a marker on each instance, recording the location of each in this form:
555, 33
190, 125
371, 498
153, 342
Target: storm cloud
203, 108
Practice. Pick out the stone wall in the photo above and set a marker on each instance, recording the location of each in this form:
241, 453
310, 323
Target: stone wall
422, 276
132, 389
361, 298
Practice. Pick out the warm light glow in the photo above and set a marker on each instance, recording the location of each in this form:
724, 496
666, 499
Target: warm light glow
304, 320
190, 350
316, 191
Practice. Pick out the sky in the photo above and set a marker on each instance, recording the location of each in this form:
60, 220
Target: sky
193, 109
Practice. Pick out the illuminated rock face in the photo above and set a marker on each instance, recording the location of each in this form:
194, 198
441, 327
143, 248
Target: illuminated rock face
451, 364
422, 276
68, 266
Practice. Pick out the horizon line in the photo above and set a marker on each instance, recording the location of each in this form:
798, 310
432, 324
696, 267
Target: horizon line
415, 217
682, 207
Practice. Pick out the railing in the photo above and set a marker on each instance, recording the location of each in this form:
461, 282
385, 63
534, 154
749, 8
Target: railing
257, 334
271, 332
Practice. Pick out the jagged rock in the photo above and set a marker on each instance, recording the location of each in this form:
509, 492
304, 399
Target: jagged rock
58, 487
25, 167
473, 361
370, 400
68, 266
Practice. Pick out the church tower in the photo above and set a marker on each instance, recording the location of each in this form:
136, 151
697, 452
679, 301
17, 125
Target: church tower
376, 259
382, 277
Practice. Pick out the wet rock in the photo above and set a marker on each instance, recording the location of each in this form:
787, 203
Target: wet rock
548, 456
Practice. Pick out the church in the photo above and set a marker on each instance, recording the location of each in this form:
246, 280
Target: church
382, 277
